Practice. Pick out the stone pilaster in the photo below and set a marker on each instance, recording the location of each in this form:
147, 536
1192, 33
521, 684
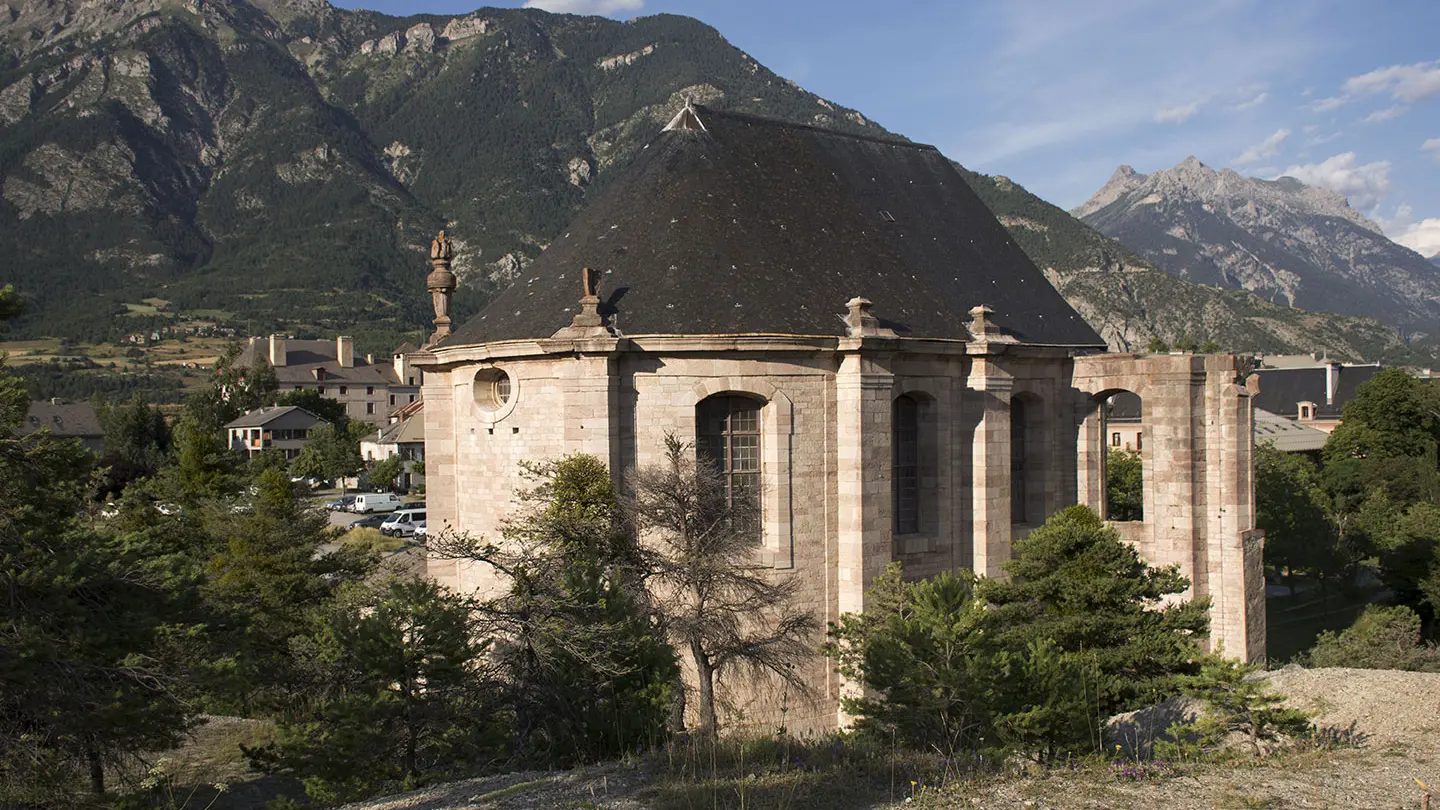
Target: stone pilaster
441, 482
592, 397
863, 393
990, 466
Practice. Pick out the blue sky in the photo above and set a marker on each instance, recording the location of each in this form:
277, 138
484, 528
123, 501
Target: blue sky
1056, 93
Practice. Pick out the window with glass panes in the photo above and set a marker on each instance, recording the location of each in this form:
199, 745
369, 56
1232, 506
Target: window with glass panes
905, 464
1019, 461
728, 435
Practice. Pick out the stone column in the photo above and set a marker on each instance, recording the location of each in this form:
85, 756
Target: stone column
1234, 576
1090, 449
863, 388
990, 464
1175, 464
441, 495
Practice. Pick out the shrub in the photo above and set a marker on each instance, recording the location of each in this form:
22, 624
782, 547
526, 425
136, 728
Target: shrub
1382, 638
1238, 702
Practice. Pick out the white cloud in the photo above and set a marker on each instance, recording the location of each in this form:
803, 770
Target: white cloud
1177, 115
1385, 114
1252, 103
1364, 185
1327, 104
1268, 148
1432, 146
1407, 83
600, 7
1423, 237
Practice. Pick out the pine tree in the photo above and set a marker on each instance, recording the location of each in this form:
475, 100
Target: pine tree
87, 619
590, 674
1076, 584
400, 690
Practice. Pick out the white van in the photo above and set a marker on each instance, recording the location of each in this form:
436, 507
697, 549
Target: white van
367, 502
402, 523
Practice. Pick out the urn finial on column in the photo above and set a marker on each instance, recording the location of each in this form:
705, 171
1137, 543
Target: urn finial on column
441, 284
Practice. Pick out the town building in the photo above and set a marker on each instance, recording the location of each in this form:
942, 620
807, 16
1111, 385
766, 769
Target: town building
370, 391
840, 323
1308, 389
67, 420
1288, 435
281, 428
403, 437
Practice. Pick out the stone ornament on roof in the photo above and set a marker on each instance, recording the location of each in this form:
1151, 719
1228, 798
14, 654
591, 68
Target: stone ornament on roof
860, 321
441, 284
440, 248
588, 322
688, 119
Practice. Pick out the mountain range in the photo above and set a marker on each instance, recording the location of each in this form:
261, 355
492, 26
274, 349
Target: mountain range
283, 164
1290, 243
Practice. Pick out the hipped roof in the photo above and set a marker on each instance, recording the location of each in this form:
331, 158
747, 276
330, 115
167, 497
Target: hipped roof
757, 226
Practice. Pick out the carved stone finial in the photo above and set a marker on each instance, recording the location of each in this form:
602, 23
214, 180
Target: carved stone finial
441, 284
981, 327
588, 322
590, 285
860, 321
440, 247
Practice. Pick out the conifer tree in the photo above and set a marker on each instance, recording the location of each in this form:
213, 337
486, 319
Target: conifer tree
1076, 584
86, 620
399, 690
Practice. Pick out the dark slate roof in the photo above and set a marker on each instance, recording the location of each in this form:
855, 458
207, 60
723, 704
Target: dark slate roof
261, 417
302, 357
1282, 388
1123, 407
759, 226
69, 419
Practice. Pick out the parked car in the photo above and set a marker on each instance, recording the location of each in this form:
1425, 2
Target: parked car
367, 502
402, 522
420, 534
371, 521
342, 504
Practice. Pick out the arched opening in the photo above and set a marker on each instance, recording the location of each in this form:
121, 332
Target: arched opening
1122, 414
1027, 459
905, 464
727, 431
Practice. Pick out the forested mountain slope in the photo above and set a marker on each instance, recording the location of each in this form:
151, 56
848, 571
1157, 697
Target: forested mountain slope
284, 163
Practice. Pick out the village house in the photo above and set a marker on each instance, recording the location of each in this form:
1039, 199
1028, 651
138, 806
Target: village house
1308, 389
370, 391
67, 420
840, 323
281, 428
403, 437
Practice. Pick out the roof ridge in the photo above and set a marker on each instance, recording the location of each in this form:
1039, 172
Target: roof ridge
751, 118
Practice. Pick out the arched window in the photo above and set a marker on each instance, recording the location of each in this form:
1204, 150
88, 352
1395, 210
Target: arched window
905, 464
1019, 461
728, 436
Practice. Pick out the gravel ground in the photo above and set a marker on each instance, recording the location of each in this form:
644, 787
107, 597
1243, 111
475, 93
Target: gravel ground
1398, 712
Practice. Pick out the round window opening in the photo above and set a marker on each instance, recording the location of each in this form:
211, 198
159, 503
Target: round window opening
492, 389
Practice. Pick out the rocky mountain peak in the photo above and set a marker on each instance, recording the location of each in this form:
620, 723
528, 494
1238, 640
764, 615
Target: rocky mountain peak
1122, 182
1296, 244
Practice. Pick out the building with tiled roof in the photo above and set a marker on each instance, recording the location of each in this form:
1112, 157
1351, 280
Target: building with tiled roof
370, 391
279, 428
840, 324
68, 420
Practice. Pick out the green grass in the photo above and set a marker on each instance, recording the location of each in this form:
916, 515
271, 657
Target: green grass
371, 540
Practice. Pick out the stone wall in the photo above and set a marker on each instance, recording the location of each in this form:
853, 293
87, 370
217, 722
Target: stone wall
826, 445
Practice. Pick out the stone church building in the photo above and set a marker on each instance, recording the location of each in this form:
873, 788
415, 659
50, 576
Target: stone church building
735, 263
